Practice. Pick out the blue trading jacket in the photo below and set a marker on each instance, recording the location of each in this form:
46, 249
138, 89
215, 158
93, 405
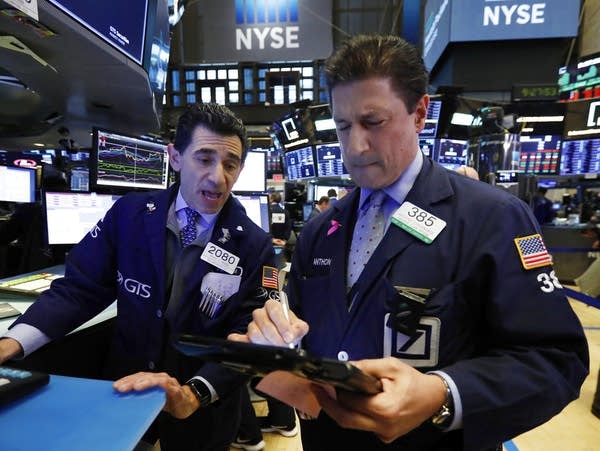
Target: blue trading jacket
123, 258
505, 334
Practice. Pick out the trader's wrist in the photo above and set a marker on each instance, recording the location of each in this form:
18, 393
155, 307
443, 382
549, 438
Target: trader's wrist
443, 417
200, 392
9, 348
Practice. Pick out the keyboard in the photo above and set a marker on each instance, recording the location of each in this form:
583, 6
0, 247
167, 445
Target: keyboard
30, 285
15, 383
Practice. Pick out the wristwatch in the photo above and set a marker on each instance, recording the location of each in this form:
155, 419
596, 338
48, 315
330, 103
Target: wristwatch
201, 391
443, 417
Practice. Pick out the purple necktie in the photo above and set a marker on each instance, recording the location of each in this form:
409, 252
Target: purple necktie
188, 233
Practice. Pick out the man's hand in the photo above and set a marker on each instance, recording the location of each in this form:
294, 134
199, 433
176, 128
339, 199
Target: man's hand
181, 401
408, 399
9, 348
270, 326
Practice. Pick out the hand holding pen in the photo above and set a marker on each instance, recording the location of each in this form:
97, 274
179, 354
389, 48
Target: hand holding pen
274, 323
284, 300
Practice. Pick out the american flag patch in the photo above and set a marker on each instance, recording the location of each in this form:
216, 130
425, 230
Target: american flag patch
532, 251
269, 277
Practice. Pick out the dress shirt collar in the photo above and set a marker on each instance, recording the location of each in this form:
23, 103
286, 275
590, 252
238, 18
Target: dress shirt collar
207, 221
400, 188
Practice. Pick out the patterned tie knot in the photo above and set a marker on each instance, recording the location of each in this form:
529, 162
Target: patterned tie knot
191, 215
188, 233
376, 199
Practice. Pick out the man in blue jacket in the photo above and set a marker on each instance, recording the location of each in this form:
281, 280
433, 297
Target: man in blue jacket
457, 309
183, 260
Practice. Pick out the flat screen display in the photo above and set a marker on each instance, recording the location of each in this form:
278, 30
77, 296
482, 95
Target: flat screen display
582, 119
69, 216
120, 23
428, 147
432, 120
581, 80
540, 154
321, 190
507, 177
292, 131
257, 209
324, 125
300, 164
452, 153
330, 162
17, 184
123, 161
253, 177
580, 156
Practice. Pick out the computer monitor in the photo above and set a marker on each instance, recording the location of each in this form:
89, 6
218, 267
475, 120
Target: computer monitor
540, 154
123, 162
294, 130
330, 162
323, 123
257, 209
253, 178
120, 24
300, 164
452, 153
581, 156
428, 147
507, 177
432, 119
17, 184
69, 216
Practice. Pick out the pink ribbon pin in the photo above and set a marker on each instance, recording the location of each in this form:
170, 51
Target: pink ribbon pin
334, 226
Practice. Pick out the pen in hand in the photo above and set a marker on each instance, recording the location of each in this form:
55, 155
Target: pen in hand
286, 311
284, 300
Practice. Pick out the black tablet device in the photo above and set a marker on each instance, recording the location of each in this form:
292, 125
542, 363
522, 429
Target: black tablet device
259, 360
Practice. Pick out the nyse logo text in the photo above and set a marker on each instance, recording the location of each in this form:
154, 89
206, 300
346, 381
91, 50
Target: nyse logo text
520, 14
273, 37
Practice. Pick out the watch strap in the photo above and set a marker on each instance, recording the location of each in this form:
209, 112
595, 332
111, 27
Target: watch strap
443, 417
201, 391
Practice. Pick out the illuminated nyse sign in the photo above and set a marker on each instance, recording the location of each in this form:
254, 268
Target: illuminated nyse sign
495, 20
519, 14
266, 30
250, 17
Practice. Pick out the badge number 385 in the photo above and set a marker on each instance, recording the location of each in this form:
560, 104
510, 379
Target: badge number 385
418, 222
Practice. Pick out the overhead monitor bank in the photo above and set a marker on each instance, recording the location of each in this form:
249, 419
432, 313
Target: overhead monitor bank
49, 78
120, 23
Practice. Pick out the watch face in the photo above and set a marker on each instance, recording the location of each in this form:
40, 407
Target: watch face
201, 391
443, 417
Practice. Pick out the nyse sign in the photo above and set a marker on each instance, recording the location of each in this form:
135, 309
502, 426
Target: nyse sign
266, 30
479, 20
520, 14
276, 38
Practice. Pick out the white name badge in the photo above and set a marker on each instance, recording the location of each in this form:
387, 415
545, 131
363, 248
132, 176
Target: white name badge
219, 257
278, 218
418, 222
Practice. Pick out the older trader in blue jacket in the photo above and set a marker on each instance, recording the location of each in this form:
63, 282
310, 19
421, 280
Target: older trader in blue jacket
183, 260
457, 310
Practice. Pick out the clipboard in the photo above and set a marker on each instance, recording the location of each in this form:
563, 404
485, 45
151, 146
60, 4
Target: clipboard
260, 360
